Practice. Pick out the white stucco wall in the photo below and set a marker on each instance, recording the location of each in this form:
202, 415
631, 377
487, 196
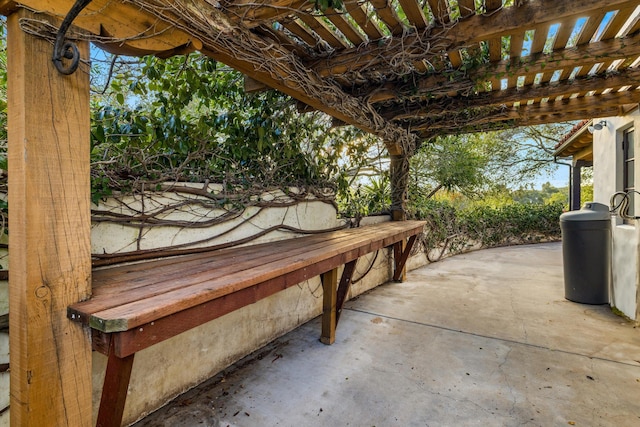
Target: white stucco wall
108, 237
169, 368
607, 152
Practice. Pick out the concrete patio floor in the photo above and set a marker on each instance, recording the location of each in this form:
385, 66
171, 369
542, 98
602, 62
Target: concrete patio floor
482, 339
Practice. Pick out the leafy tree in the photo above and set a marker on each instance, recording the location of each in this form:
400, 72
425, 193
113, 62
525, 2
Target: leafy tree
188, 118
450, 163
524, 153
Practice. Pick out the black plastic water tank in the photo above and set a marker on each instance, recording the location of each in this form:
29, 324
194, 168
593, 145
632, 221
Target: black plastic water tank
586, 253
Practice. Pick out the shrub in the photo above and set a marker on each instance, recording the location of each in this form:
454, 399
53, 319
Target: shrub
451, 231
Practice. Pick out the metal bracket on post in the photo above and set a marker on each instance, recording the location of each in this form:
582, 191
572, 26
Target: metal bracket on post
68, 49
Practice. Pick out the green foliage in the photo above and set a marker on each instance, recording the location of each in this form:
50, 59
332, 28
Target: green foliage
369, 199
545, 194
189, 119
452, 231
514, 223
323, 5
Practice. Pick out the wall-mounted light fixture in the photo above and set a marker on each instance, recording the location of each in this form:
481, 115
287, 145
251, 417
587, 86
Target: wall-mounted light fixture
597, 126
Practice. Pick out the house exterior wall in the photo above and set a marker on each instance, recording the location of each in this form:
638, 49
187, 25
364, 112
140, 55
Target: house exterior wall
607, 179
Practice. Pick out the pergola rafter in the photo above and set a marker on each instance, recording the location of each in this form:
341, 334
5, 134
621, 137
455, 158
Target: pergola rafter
501, 117
611, 82
473, 29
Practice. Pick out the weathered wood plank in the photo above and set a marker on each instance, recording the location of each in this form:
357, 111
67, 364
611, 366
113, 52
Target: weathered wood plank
125, 22
165, 298
616, 23
142, 311
50, 225
114, 389
414, 13
302, 32
440, 11
329, 306
467, 8
122, 287
150, 333
345, 27
317, 24
566, 109
105, 277
355, 9
528, 66
509, 96
471, 30
388, 15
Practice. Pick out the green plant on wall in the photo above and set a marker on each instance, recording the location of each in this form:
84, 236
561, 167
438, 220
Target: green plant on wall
189, 119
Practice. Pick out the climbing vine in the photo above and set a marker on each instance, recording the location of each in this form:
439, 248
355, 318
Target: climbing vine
188, 119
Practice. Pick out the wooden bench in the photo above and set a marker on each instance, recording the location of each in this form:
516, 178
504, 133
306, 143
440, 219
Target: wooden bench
138, 305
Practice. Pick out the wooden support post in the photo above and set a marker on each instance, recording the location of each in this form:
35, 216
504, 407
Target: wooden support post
401, 251
329, 304
114, 390
576, 183
343, 287
399, 273
399, 172
50, 257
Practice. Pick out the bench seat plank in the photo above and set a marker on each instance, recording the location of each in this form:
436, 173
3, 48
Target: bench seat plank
125, 285
127, 297
184, 268
105, 276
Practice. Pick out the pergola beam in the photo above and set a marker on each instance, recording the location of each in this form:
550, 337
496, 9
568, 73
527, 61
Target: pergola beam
455, 105
120, 26
527, 115
468, 31
528, 66
270, 64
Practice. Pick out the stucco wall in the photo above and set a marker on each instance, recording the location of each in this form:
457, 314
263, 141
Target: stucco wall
169, 368
607, 162
173, 366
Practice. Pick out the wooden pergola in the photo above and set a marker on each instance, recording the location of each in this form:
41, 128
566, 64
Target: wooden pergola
404, 70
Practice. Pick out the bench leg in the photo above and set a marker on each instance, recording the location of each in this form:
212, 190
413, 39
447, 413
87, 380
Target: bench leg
343, 287
401, 251
329, 300
114, 390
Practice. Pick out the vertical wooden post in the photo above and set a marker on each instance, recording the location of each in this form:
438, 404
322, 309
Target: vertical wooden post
399, 174
329, 306
49, 238
574, 188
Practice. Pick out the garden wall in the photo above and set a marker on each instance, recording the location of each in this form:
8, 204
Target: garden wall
192, 218
173, 366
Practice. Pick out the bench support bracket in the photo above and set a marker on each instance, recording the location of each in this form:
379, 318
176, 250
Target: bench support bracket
335, 295
343, 287
114, 390
401, 251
